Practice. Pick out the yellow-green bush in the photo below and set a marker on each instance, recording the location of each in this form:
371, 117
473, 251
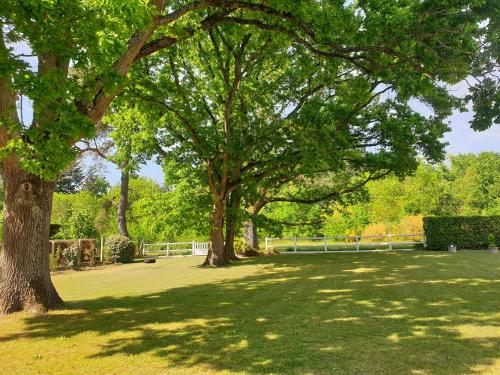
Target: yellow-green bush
411, 224
375, 229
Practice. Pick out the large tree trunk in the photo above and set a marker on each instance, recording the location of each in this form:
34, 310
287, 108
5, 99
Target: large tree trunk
251, 236
25, 282
231, 224
123, 204
216, 256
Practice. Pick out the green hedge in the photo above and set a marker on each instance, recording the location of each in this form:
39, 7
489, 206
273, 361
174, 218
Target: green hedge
466, 232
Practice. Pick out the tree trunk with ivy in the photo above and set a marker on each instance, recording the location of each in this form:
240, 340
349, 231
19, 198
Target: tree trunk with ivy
25, 282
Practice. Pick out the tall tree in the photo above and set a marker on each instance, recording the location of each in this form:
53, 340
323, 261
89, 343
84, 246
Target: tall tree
71, 180
94, 181
243, 106
120, 142
84, 51
100, 40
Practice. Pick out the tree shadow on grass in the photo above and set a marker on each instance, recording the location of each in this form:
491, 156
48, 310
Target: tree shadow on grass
390, 314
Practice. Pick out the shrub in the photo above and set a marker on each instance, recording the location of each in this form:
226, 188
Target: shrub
467, 232
58, 260
376, 229
239, 245
411, 224
89, 254
82, 225
119, 249
71, 255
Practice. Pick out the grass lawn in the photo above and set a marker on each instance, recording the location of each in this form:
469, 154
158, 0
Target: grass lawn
411, 313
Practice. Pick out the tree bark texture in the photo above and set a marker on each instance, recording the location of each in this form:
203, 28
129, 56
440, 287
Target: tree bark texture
216, 256
123, 204
251, 237
231, 224
25, 282
250, 228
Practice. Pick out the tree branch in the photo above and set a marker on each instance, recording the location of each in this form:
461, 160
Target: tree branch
330, 195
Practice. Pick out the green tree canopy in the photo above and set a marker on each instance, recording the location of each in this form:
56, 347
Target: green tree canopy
243, 106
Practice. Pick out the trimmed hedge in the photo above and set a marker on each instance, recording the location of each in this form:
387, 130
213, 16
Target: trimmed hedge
466, 232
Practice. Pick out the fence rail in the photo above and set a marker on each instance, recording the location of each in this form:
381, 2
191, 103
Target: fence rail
169, 249
300, 245
345, 244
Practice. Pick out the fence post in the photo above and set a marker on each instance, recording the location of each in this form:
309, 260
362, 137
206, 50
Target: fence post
295, 244
266, 244
168, 249
326, 246
390, 241
193, 250
357, 243
102, 248
53, 247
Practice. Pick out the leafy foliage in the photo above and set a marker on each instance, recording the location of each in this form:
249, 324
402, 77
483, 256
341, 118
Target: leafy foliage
466, 232
463, 185
491, 240
77, 214
95, 182
71, 255
76, 179
247, 109
119, 249
475, 183
377, 229
71, 180
411, 224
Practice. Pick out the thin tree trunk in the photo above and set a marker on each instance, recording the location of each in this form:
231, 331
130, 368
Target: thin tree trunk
123, 204
25, 282
231, 223
216, 256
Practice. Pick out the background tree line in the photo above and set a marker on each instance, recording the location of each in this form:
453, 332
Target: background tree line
178, 209
466, 184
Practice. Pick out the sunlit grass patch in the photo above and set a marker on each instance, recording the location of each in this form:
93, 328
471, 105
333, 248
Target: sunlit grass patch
386, 313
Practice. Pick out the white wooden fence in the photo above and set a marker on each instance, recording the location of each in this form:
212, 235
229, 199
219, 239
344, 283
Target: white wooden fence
300, 245
345, 244
169, 249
